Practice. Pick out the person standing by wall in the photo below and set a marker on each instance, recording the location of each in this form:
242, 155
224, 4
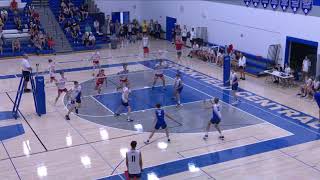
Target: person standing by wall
306, 63
184, 34
242, 65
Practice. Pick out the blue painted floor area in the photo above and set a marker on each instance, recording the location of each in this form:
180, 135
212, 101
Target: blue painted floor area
147, 98
5, 115
302, 133
7, 132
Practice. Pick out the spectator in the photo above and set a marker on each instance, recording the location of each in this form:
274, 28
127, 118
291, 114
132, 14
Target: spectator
306, 87
184, 34
92, 39
75, 36
192, 36
16, 45
242, 65
51, 42
316, 86
61, 17
305, 67
96, 26
4, 15
26, 71
85, 39
134, 162
14, 5
88, 28
157, 30
144, 27
1, 24
67, 26
42, 39
1, 44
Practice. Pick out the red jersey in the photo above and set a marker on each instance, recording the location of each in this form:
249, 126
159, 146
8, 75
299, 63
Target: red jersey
100, 78
179, 45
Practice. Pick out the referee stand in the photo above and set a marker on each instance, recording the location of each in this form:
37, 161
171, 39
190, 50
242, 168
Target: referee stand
38, 92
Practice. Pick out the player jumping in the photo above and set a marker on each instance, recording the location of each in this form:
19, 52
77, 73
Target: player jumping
159, 123
124, 103
74, 99
159, 73
216, 119
178, 86
100, 79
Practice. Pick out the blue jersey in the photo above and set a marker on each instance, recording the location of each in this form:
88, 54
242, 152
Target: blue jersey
160, 116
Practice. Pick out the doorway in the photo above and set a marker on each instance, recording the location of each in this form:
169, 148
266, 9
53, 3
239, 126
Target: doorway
170, 24
297, 50
121, 17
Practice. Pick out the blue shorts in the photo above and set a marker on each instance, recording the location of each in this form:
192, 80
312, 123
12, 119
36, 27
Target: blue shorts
78, 98
215, 120
126, 104
160, 125
179, 90
234, 87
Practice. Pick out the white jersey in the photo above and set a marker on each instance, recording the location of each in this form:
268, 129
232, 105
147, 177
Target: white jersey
75, 93
61, 83
145, 41
123, 74
178, 83
134, 162
125, 94
52, 69
95, 57
159, 68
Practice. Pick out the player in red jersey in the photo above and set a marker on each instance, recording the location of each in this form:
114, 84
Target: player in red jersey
100, 79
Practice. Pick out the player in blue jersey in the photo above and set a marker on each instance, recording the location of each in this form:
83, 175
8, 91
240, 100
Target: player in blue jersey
317, 99
159, 123
178, 86
216, 118
234, 81
74, 99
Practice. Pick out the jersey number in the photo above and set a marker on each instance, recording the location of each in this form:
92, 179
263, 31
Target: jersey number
133, 158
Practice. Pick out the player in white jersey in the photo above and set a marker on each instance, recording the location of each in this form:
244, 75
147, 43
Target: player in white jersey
216, 118
134, 162
159, 68
145, 44
61, 85
95, 59
178, 86
52, 70
74, 99
123, 77
124, 103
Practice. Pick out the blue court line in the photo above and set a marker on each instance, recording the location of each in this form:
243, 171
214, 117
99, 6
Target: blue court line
5, 115
302, 134
7, 132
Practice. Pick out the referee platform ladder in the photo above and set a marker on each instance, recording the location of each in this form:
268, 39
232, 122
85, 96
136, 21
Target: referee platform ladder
37, 88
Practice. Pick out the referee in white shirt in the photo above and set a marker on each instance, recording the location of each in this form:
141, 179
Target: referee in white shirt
26, 72
242, 66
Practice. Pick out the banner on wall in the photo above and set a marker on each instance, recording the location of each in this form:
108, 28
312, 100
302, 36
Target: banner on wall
306, 6
247, 2
295, 5
265, 3
255, 3
284, 4
274, 4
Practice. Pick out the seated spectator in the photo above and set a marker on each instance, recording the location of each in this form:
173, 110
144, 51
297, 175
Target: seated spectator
85, 39
84, 12
194, 50
88, 28
1, 24
279, 68
67, 26
61, 17
75, 36
1, 44
287, 69
50, 42
42, 39
14, 5
306, 88
4, 15
96, 26
315, 87
92, 39
16, 45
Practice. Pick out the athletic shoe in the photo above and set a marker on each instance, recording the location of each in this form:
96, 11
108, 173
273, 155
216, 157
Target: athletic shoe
27, 90
205, 137
169, 140
67, 117
129, 120
116, 114
147, 142
221, 137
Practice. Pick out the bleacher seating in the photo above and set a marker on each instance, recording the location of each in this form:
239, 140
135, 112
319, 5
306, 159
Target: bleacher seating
55, 7
10, 32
